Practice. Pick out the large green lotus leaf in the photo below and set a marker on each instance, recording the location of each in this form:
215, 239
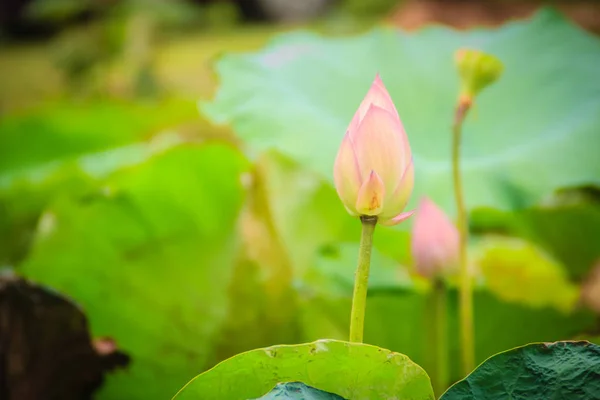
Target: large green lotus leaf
68, 148
149, 259
35, 144
298, 391
539, 371
352, 370
532, 132
22, 203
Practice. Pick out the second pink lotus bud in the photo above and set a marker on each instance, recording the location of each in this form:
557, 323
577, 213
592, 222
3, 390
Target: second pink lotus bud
434, 242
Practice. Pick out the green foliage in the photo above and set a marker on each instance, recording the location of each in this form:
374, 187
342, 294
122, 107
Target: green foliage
569, 232
397, 316
148, 261
352, 370
298, 391
399, 320
149, 229
57, 11
561, 370
129, 222
511, 146
68, 148
521, 128
39, 142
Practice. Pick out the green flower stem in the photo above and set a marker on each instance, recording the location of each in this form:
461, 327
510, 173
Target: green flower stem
361, 280
466, 296
440, 381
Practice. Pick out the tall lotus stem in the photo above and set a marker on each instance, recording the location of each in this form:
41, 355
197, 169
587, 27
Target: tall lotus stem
441, 378
434, 247
466, 296
477, 70
361, 280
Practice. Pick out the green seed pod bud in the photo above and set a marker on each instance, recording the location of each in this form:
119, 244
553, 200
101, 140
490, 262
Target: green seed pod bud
477, 70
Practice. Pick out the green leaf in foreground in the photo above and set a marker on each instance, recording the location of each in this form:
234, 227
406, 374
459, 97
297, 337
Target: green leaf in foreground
539, 371
535, 115
298, 391
352, 370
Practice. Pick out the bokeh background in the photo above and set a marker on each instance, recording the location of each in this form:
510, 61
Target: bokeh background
167, 166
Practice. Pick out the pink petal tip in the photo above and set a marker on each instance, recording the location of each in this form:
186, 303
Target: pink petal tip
398, 218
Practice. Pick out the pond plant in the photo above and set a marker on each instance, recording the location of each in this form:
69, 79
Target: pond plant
374, 178
189, 245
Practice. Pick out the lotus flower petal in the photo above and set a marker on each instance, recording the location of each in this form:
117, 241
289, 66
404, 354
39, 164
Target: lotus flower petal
378, 144
346, 175
377, 95
397, 200
371, 195
397, 219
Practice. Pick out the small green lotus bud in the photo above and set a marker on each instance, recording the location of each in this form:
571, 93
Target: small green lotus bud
477, 70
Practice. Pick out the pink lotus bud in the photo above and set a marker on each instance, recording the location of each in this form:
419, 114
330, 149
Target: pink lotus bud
434, 242
373, 170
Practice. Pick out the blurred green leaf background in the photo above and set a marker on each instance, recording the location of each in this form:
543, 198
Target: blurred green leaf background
168, 165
